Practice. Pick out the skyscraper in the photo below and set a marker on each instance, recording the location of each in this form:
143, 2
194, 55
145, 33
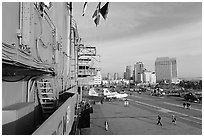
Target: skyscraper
128, 72
139, 69
166, 69
125, 75
116, 76
133, 74
108, 76
174, 69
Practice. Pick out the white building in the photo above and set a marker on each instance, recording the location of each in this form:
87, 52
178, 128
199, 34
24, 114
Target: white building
98, 78
140, 77
105, 82
116, 76
125, 81
153, 78
147, 76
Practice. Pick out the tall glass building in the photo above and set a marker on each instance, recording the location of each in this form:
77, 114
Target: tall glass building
128, 72
116, 76
166, 69
139, 69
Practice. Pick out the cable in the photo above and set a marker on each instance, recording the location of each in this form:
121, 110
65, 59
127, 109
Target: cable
8, 57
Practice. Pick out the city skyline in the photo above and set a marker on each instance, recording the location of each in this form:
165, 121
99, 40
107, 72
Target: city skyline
143, 31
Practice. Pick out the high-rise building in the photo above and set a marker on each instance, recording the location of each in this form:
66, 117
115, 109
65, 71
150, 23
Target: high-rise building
134, 73
142, 75
174, 69
124, 75
166, 69
108, 76
128, 72
116, 76
139, 69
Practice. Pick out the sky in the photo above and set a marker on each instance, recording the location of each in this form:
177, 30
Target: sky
143, 31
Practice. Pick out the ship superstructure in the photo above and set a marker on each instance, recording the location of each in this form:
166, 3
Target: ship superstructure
42, 61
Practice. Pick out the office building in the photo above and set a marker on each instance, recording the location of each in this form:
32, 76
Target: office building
108, 76
124, 75
166, 69
128, 72
133, 74
116, 76
138, 69
174, 69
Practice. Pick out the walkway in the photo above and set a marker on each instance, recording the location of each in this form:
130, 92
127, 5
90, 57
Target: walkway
133, 121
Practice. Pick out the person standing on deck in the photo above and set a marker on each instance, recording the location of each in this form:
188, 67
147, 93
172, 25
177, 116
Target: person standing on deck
106, 125
159, 120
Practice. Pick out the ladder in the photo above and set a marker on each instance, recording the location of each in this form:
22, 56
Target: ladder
47, 97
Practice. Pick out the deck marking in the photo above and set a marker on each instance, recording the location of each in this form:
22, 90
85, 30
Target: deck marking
181, 106
165, 110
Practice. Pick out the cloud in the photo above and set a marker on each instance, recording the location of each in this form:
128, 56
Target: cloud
138, 18
175, 42
143, 31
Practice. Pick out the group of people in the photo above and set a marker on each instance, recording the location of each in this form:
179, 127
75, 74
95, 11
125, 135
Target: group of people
84, 117
173, 120
158, 123
186, 105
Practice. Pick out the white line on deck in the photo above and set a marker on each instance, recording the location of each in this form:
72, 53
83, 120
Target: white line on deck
142, 97
180, 106
167, 110
137, 96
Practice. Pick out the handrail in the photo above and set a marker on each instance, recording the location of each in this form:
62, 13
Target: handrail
61, 121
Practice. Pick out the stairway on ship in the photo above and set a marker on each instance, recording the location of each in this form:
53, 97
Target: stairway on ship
47, 97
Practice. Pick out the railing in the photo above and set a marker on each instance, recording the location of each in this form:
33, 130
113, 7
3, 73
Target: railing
61, 121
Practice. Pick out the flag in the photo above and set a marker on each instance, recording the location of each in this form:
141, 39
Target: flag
96, 15
84, 8
69, 6
97, 19
104, 10
47, 4
41, 7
